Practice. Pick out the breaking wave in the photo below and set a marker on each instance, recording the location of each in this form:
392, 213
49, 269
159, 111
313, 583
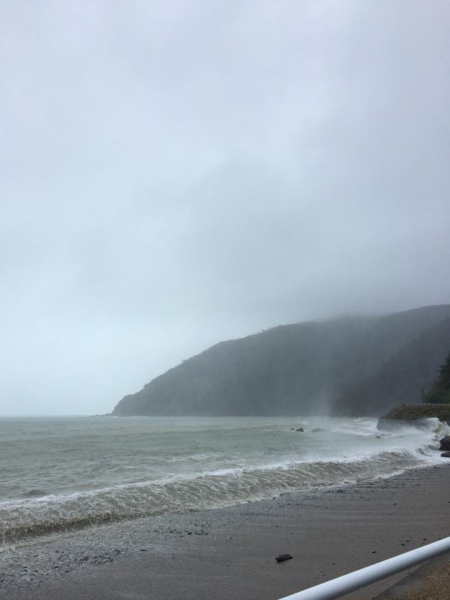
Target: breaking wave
38, 513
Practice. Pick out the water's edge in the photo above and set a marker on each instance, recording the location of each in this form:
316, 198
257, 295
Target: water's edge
181, 492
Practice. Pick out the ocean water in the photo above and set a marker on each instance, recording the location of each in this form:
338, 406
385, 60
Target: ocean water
58, 474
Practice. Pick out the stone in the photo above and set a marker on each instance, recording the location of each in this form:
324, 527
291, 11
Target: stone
445, 443
283, 557
445, 455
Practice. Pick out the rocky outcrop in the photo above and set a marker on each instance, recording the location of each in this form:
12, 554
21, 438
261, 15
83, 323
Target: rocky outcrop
445, 443
414, 414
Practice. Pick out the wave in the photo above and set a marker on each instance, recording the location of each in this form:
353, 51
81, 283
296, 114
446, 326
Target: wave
210, 489
245, 465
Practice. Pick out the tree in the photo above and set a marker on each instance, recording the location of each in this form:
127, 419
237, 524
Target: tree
440, 391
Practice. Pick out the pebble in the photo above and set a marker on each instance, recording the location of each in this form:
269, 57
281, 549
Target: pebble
61, 554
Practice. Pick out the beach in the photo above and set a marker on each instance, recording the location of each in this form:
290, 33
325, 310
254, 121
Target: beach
230, 552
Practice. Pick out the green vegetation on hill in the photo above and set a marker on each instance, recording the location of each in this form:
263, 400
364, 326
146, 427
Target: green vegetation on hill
419, 411
346, 366
440, 392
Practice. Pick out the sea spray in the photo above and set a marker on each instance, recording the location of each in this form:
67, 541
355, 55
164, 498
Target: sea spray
106, 470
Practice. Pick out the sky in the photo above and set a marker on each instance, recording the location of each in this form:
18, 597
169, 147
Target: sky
177, 173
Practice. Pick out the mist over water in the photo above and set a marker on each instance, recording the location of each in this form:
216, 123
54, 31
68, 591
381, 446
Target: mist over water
65, 473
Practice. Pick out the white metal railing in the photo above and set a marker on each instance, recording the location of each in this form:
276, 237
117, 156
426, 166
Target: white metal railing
335, 588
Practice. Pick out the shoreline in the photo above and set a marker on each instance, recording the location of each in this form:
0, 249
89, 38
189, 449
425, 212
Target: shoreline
328, 531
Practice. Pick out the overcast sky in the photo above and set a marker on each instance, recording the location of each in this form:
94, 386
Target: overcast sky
176, 173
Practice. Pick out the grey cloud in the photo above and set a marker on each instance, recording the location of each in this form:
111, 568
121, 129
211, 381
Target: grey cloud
173, 174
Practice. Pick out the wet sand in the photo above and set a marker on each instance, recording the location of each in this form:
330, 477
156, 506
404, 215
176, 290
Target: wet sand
230, 552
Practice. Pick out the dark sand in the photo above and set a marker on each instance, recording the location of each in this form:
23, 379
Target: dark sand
230, 553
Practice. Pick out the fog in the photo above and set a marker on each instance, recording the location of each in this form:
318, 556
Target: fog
176, 174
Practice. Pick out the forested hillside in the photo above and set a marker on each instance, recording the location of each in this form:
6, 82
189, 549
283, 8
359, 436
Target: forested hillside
404, 378
351, 365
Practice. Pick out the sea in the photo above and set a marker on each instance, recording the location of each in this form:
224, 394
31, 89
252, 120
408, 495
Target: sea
64, 473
